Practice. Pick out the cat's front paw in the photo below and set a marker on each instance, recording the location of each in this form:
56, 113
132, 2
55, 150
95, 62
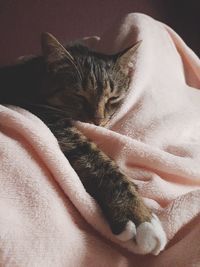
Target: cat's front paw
148, 237
131, 219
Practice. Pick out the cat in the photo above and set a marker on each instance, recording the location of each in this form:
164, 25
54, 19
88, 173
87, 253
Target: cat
73, 83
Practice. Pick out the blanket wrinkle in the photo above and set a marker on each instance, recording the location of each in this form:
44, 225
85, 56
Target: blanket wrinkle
46, 216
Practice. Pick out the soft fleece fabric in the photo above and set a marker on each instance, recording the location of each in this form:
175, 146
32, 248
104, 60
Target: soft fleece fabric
46, 216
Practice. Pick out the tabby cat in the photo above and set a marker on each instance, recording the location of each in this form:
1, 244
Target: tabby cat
73, 83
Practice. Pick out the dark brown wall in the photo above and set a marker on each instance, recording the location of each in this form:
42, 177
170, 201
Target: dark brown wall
184, 17
22, 21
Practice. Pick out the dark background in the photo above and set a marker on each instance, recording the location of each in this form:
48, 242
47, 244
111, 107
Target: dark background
22, 21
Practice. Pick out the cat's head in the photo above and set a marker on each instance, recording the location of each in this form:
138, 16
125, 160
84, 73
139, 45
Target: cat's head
89, 86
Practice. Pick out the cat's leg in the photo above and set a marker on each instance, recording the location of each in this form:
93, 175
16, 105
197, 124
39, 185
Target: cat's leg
127, 215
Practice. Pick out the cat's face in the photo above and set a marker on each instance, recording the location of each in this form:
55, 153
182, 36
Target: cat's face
88, 86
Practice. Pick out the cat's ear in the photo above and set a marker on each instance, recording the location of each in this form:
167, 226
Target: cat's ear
125, 58
52, 50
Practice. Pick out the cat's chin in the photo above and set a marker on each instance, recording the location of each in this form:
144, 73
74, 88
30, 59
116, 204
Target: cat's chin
104, 124
101, 123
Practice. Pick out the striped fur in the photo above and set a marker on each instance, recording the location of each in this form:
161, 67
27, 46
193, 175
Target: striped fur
72, 83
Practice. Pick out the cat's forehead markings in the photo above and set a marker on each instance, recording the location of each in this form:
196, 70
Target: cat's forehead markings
107, 90
92, 79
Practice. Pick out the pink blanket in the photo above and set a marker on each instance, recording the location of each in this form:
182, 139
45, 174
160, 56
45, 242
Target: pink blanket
46, 216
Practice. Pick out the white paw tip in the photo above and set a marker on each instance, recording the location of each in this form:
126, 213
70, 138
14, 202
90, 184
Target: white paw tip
128, 233
150, 237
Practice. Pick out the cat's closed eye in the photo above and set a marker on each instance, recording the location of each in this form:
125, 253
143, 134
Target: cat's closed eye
112, 104
113, 99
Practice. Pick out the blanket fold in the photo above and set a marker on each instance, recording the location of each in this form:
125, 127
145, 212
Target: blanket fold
46, 216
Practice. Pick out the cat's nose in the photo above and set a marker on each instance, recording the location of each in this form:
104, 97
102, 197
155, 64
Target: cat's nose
100, 121
97, 120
